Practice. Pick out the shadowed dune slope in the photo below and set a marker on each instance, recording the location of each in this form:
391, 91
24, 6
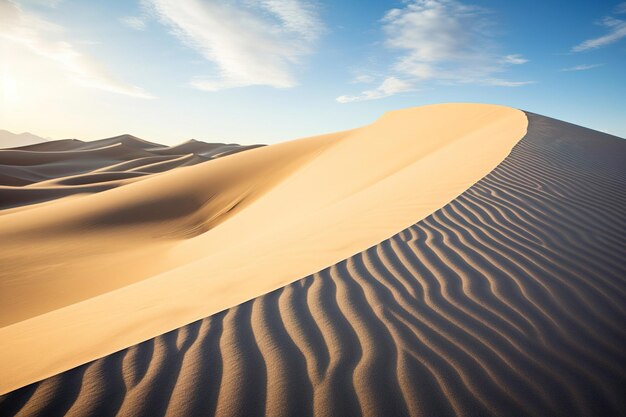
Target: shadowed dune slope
508, 301
35, 173
86, 276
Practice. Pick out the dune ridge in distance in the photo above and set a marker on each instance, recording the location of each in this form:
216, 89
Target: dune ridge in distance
509, 300
50, 170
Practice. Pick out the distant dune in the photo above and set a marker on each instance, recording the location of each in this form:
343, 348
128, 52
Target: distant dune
11, 140
51, 170
445, 260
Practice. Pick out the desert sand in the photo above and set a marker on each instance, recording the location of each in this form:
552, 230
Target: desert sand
457, 260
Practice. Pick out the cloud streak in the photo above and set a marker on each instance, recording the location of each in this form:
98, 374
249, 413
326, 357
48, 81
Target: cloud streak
582, 67
443, 41
45, 39
250, 42
616, 31
133, 22
389, 87
515, 59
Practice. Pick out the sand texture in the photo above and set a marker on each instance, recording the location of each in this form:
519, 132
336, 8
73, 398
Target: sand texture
509, 300
89, 275
50, 170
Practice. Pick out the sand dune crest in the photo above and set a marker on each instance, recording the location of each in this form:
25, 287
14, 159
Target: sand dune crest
494, 305
119, 266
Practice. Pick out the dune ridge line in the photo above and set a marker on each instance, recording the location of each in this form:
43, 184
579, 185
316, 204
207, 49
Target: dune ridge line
150, 256
508, 301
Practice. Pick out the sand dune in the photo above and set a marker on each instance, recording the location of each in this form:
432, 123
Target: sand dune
47, 169
507, 301
88, 276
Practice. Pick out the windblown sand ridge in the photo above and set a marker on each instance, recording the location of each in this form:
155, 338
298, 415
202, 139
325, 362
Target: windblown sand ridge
33, 173
509, 300
114, 268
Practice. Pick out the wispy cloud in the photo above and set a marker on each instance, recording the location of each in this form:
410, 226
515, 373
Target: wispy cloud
620, 8
515, 59
133, 22
616, 31
582, 67
363, 79
250, 42
440, 40
505, 83
45, 39
388, 87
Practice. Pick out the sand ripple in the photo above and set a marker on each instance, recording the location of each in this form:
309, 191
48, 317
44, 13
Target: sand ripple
509, 301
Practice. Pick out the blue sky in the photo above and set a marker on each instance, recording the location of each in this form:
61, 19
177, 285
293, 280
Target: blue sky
264, 71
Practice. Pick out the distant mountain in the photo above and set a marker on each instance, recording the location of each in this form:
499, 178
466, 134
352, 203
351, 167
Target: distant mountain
12, 140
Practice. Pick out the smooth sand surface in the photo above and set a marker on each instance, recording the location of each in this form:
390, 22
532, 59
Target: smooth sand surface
92, 274
508, 301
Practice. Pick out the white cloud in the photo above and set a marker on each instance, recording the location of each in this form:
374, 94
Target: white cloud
250, 42
441, 40
46, 40
133, 22
363, 79
620, 8
296, 15
388, 87
514, 59
582, 67
617, 31
504, 83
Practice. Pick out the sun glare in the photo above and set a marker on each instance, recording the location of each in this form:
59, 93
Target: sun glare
9, 89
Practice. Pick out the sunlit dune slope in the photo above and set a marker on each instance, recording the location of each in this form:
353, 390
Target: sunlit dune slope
86, 276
